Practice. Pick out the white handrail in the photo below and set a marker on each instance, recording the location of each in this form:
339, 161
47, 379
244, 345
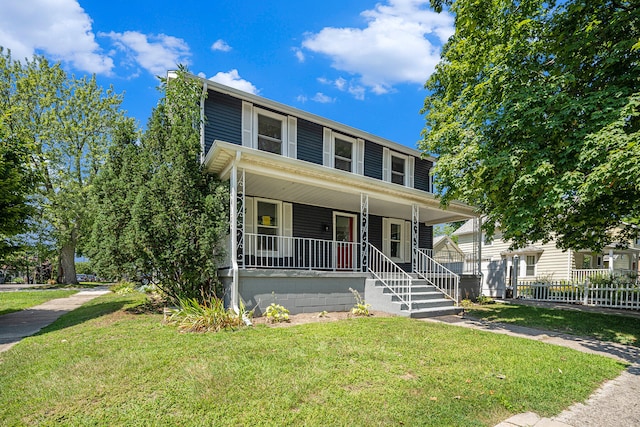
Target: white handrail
437, 275
390, 275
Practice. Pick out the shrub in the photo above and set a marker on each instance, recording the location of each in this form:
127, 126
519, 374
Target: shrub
18, 280
122, 288
361, 308
276, 313
483, 299
466, 303
211, 316
51, 282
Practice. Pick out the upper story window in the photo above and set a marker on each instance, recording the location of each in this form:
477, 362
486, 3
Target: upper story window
343, 158
268, 131
269, 134
342, 152
397, 168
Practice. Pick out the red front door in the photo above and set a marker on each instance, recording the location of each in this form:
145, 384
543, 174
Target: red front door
344, 236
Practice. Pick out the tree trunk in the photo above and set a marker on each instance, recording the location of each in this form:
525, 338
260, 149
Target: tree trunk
67, 264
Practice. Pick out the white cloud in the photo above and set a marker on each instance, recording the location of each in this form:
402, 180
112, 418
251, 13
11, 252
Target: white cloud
233, 79
353, 87
220, 45
301, 98
299, 54
154, 53
58, 28
322, 98
400, 44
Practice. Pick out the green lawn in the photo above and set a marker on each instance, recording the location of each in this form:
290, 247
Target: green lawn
19, 300
105, 364
605, 327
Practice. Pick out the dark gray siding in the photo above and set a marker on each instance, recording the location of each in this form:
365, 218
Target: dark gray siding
373, 160
425, 237
310, 222
224, 119
309, 141
375, 231
421, 175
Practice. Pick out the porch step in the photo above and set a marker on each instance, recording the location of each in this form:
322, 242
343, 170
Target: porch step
427, 300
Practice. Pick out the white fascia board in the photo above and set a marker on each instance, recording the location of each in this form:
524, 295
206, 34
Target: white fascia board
288, 110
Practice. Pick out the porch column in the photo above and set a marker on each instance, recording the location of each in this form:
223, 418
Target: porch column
364, 231
240, 217
611, 261
233, 224
415, 236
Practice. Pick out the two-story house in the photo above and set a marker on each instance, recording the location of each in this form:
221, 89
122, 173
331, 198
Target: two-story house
318, 207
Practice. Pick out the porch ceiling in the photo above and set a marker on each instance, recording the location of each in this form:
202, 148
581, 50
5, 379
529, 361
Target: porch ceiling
276, 177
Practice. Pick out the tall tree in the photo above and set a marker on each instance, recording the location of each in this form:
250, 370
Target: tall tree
533, 113
161, 215
67, 122
16, 175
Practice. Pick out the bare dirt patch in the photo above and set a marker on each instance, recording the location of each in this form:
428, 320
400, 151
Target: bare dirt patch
319, 317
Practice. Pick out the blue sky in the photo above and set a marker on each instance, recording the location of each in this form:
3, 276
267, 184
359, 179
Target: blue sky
361, 63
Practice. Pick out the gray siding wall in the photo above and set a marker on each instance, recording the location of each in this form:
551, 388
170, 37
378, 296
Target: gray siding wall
309, 141
224, 119
375, 231
421, 174
425, 237
310, 221
372, 160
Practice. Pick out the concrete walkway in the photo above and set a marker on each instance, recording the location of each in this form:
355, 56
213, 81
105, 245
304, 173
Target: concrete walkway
612, 405
17, 325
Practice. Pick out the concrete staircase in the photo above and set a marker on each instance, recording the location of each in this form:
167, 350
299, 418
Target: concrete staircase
426, 300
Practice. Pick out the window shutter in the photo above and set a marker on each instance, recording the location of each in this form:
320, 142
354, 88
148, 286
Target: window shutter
386, 164
359, 156
411, 161
249, 218
287, 228
292, 136
327, 148
407, 241
386, 237
247, 124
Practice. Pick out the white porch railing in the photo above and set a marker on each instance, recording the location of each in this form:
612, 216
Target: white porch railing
581, 275
437, 275
263, 251
390, 275
612, 295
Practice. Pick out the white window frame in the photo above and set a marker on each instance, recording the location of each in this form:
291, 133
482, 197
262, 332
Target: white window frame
405, 239
527, 265
409, 166
279, 223
289, 131
329, 149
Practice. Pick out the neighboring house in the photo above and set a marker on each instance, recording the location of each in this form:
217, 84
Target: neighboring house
318, 207
449, 254
543, 261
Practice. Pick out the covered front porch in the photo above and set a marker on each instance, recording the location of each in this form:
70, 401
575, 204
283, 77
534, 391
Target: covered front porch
610, 262
305, 223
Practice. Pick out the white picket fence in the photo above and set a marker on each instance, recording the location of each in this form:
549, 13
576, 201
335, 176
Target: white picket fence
612, 295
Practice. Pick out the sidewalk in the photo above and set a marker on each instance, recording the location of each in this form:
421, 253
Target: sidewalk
614, 404
20, 324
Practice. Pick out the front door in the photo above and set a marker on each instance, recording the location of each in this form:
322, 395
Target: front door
344, 234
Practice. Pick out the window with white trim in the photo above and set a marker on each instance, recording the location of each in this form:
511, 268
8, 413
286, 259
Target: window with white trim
398, 171
531, 265
343, 155
397, 168
342, 152
267, 224
396, 239
269, 131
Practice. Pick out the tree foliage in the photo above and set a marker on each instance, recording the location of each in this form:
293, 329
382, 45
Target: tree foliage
533, 113
160, 214
67, 124
16, 175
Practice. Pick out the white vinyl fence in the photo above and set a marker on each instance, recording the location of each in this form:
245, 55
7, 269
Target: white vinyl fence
612, 294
